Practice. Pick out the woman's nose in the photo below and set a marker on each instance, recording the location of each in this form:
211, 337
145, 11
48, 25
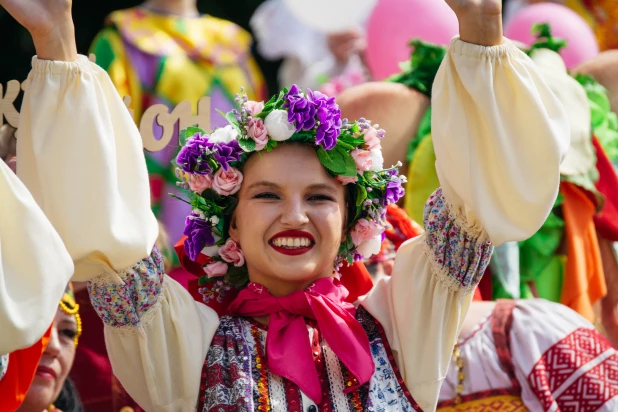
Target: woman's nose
53, 347
294, 214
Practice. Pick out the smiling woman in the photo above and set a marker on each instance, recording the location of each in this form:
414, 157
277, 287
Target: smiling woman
249, 210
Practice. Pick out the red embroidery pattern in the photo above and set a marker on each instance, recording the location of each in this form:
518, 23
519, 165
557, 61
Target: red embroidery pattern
563, 360
593, 389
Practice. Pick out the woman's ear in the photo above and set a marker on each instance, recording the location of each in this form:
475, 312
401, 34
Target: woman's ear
234, 229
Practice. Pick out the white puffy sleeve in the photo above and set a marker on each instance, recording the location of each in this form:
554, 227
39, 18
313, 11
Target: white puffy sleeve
34, 267
499, 137
80, 154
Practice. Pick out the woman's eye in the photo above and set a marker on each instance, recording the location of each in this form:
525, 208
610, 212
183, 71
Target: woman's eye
321, 198
69, 333
266, 195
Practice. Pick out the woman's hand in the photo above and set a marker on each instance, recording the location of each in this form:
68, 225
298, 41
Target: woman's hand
345, 44
480, 21
50, 24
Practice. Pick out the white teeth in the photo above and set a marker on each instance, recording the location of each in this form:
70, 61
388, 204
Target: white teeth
291, 242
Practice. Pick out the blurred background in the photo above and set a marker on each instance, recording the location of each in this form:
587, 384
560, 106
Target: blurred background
89, 17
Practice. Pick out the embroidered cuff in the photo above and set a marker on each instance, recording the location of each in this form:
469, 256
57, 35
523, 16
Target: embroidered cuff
4, 365
458, 257
124, 304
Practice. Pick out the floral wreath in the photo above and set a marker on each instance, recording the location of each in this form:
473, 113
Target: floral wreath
207, 167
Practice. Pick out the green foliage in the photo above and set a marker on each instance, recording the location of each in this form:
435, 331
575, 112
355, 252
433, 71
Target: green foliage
338, 161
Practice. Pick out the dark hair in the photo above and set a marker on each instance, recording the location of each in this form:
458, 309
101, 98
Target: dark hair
68, 400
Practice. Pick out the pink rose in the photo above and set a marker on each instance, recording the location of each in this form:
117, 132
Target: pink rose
347, 180
362, 159
365, 230
257, 131
199, 183
215, 269
231, 253
372, 141
255, 107
227, 183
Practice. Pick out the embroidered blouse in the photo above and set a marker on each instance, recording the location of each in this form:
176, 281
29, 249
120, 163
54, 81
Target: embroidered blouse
557, 359
499, 177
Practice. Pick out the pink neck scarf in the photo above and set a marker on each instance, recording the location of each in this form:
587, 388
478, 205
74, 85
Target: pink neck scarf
288, 350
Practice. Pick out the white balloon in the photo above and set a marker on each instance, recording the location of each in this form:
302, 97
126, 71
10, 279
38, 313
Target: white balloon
331, 16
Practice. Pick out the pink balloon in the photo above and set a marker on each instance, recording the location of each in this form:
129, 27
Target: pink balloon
565, 23
394, 23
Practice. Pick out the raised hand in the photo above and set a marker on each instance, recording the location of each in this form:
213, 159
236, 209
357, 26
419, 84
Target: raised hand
50, 24
480, 21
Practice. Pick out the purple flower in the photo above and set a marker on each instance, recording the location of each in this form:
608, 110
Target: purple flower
190, 157
394, 192
329, 117
301, 110
226, 152
199, 234
311, 109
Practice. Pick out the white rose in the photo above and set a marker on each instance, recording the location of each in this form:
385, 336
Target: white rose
370, 247
278, 127
223, 135
212, 251
377, 161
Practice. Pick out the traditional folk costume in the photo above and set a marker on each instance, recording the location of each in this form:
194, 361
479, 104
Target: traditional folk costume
157, 58
572, 275
172, 353
532, 355
522, 355
34, 271
17, 369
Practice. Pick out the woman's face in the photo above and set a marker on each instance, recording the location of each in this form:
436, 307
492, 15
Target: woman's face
290, 219
54, 366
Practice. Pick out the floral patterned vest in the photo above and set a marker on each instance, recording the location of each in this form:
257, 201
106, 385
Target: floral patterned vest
235, 376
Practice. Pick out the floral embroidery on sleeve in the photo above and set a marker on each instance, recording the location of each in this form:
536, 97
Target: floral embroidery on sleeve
124, 304
459, 256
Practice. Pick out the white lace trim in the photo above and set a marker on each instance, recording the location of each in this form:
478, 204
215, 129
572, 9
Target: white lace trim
145, 320
442, 275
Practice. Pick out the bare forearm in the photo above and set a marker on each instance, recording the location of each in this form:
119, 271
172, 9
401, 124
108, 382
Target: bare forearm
58, 44
482, 30
480, 21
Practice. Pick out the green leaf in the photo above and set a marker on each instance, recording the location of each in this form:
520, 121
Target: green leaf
205, 280
303, 137
210, 194
248, 145
274, 103
361, 194
182, 137
344, 145
231, 118
338, 161
271, 145
237, 276
184, 134
352, 141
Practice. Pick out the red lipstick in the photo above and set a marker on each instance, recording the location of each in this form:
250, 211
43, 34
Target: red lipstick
292, 234
46, 372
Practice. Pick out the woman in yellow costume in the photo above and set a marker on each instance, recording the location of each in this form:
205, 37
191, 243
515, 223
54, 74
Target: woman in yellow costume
165, 51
